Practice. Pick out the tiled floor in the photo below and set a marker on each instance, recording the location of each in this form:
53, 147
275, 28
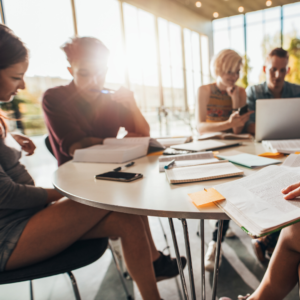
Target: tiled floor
240, 272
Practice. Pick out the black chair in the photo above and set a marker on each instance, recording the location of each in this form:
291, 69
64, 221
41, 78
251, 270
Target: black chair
78, 255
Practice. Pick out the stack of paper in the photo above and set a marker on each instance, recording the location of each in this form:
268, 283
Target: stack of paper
224, 135
247, 160
282, 146
256, 203
199, 158
115, 150
202, 172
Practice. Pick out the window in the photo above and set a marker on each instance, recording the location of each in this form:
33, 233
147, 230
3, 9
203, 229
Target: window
102, 19
43, 28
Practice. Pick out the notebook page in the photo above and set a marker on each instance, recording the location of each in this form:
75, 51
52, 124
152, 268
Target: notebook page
198, 173
258, 198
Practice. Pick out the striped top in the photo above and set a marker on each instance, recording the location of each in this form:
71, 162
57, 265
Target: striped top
219, 107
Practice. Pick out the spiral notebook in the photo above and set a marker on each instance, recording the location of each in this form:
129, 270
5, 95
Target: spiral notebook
201, 173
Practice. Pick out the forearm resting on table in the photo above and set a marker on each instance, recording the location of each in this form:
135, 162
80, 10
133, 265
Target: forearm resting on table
205, 127
84, 143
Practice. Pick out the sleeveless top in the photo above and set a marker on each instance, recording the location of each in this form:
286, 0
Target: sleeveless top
219, 107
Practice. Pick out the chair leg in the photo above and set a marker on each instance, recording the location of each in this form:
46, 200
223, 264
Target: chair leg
120, 274
74, 285
31, 290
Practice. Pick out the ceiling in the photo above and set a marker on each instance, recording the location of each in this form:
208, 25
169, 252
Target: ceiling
227, 8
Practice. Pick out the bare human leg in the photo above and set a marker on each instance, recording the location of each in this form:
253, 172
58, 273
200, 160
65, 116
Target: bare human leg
55, 228
282, 273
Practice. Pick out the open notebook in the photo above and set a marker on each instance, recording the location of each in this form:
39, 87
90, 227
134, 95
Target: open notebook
116, 150
202, 172
199, 158
256, 203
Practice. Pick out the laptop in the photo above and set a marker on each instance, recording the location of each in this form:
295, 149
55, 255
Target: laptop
277, 119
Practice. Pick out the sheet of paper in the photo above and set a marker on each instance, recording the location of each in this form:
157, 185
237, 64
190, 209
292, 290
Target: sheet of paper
202, 172
256, 201
199, 146
126, 141
284, 146
205, 197
293, 161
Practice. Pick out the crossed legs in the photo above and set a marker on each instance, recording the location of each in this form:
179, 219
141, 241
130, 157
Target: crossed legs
56, 227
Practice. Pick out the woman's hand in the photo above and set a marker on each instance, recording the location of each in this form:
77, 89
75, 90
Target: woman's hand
236, 120
233, 91
124, 97
292, 191
25, 142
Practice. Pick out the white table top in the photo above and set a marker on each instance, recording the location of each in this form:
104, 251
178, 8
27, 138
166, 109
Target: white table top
152, 195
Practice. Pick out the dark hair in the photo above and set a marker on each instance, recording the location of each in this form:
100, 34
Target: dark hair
279, 52
12, 49
82, 47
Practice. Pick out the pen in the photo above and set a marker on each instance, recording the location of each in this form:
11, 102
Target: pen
170, 164
126, 166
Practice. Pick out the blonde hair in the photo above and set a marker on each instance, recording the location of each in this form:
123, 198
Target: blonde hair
225, 61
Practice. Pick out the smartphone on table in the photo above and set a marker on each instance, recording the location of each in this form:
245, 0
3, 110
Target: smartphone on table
119, 176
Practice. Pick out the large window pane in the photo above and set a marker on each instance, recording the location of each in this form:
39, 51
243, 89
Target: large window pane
205, 59
102, 19
291, 25
44, 28
141, 56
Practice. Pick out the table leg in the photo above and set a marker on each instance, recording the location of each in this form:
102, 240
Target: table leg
184, 288
202, 247
217, 258
189, 258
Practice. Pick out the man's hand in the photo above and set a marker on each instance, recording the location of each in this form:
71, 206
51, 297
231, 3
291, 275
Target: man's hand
25, 142
292, 191
124, 97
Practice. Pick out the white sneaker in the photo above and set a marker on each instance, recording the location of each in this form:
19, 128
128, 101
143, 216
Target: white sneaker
117, 248
209, 259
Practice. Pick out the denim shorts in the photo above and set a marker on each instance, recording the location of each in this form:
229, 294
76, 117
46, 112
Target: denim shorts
9, 237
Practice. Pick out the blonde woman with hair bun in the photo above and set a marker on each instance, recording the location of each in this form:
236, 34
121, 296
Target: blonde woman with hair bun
217, 111
218, 102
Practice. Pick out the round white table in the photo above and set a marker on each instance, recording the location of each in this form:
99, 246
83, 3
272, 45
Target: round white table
151, 195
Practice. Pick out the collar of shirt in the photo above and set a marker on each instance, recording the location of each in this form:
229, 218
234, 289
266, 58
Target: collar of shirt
284, 93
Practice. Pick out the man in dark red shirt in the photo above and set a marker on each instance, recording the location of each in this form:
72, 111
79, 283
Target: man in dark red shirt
82, 114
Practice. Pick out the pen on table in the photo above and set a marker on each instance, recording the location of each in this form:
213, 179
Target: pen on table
170, 164
126, 166
205, 189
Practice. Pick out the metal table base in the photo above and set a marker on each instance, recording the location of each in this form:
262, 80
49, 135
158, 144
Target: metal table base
189, 260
